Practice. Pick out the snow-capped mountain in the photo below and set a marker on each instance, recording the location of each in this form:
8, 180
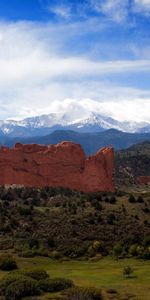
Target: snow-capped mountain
45, 124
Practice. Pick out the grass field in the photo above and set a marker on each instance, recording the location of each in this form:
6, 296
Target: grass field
105, 274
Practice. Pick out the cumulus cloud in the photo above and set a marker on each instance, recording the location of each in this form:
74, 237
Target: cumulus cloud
142, 6
30, 61
36, 72
77, 109
63, 11
117, 10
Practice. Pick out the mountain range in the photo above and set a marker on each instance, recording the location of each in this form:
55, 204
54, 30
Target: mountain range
92, 132
91, 142
46, 124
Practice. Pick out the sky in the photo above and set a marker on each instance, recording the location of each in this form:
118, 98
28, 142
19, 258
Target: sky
77, 54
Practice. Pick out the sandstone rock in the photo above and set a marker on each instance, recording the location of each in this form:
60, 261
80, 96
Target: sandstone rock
64, 165
143, 180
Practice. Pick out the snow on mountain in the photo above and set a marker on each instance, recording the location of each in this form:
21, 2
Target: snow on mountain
45, 124
107, 123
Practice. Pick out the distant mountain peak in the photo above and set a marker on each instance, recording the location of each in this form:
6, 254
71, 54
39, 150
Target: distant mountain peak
90, 122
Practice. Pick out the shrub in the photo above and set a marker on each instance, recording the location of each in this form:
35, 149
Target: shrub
21, 288
127, 271
10, 278
96, 258
132, 199
140, 199
74, 251
7, 263
98, 245
19, 279
80, 293
133, 249
106, 199
27, 253
140, 251
42, 251
112, 200
37, 274
146, 253
111, 218
7, 280
117, 250
146, 241
146, 210
55, 285
91, 251
145, 222
111, 291
55, 254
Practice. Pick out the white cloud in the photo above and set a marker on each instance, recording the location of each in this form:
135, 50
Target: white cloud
63, 11
119, 102
114, 9
35, 59
119, 10
142, 6
77, 109
35, 72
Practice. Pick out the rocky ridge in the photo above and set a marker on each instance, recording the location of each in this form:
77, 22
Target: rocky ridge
61, 165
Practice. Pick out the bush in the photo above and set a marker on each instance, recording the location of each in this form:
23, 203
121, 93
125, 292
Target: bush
55, 254
146, 210
117, 250
21, 276
127, 271
140, 199
96, 258
97, 245
21, 288
27, 253
111, 218
37, 274
42, 251
80, 293
55, 285
111, 291
146, 241
146, 253
133, 250
7, 280
7, 263
112, 200
140, 251
132, 199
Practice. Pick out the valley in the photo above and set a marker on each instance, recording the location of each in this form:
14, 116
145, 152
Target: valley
89, 239
81, 243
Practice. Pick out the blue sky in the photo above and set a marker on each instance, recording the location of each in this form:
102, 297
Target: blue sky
56, 54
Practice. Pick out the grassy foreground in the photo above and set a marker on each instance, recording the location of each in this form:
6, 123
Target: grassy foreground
106, 274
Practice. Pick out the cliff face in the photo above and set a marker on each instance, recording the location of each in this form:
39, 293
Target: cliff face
143, 180
62, 165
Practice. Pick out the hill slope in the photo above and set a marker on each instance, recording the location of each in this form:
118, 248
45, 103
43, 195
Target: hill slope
134, 161
91, 142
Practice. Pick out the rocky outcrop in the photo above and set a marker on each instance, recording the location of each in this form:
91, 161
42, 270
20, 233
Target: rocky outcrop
64, 165
143, 180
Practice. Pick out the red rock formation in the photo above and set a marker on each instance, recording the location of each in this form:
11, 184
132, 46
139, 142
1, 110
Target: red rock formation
143, 180
62, 165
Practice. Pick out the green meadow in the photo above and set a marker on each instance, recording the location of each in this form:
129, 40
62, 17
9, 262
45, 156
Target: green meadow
106, 274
